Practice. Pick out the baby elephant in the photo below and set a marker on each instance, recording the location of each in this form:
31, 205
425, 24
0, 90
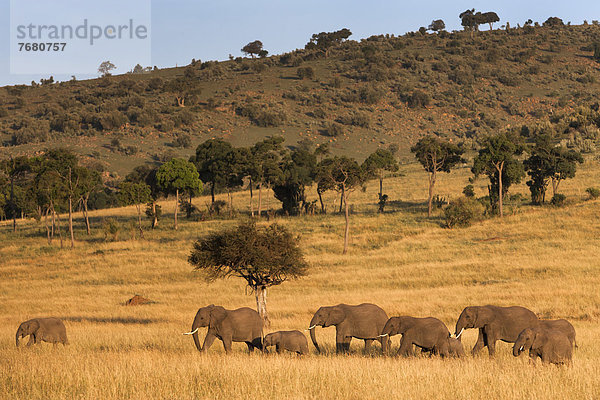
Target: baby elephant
456, 348
293, 341
427, 333
51, 330
551, 346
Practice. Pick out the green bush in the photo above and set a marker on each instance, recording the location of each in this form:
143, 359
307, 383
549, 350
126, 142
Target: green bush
558, 200
111, 228
305, 73
462, 212
333, 130
593, 192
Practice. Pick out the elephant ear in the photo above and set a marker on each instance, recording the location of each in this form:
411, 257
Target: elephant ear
34, 325
336, 316
538, 340
483, 316
217, 315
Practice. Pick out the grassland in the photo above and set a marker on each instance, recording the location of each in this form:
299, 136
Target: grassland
542, 258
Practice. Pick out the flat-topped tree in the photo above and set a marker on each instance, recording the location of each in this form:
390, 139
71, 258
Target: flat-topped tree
178, 175
325, 40
263, 256
437, 25
436, 155
497, 159
254, 48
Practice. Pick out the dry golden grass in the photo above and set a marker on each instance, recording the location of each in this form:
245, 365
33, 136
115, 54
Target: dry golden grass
542, 258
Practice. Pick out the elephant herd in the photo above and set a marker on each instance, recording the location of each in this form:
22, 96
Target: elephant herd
550, 340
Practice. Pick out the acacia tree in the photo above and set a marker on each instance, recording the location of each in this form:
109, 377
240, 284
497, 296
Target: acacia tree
436, 155
135, 194
254, 48
105, 68
344, 175
176, 176
263, 257
437, 25
90, 182
376, 165
296, 170
15, 169
325, 40
497, 159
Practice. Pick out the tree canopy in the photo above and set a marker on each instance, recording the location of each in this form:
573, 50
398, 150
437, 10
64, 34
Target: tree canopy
254, 48
262, 256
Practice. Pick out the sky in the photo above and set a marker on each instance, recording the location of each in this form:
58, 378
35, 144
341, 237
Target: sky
211, 30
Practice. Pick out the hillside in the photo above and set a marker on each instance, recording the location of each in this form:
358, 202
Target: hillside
540, 257
359, 96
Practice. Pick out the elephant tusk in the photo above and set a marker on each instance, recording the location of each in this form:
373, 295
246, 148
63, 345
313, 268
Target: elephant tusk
385, 334
312, 327
460, 333
521, 349
192, 332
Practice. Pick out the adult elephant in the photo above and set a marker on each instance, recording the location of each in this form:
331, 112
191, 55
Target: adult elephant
494, 323
240, 325
363, 321
51, 330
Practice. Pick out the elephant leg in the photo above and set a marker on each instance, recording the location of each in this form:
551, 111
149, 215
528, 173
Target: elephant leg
480, 342
490, 343
257, 343
339, 342
406, 347
384, 343
368, 343
278, 348
443, 349
31, 340
208, 341
227, 344
347, 341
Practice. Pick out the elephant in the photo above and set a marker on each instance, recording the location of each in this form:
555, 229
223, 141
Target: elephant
494, 323
240, 325
561, 325
455, 348
51, 330
429, 334
364, 321
552, 346
293, 341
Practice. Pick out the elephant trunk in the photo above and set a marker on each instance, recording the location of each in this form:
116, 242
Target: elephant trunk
313, 335
18, 336
195, 326
460, 327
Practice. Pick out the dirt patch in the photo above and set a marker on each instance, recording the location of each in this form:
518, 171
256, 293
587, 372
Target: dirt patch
138, 300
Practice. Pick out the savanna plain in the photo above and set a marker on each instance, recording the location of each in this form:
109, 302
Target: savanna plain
543, 258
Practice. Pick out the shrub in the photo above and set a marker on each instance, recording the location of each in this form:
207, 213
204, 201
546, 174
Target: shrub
3, 112
462, 212
593, 192
558, 200
111, 228
305, 73
418, 99
333, 130
370, 95
469, 191
357, 119
183, 140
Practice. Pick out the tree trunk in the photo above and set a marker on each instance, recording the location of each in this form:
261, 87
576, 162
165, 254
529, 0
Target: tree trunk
212, 192
380, 186
86, 215
140, 220
154, 217
12, 203
261, 304
176, 206
259, 198
251, 204
500, 167
432, 178
47, 226
321, 201
71, 222
347, 217
342, 199
53, 218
